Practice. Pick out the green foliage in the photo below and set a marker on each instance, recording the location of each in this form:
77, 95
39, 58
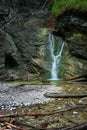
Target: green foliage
60, 6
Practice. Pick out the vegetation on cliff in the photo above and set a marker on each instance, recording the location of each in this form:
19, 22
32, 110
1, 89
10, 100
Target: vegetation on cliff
60, 6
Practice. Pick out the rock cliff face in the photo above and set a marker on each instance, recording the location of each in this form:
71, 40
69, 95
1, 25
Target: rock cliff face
2, 58
72, 26
23, 38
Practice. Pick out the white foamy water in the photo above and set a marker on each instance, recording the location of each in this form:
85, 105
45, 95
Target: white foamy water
55, 58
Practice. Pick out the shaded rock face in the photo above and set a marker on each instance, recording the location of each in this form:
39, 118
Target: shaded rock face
72, 21
23, 46
2, 59
22, 3
72, 26
23, 39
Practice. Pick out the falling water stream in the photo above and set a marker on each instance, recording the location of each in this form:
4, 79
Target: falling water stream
55, 58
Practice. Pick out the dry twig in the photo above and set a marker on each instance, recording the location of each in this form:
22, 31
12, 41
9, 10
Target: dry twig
38, 114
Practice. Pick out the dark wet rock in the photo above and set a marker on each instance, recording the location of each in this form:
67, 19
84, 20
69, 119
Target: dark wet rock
72, 26
2, 58
24, 43
22, 22
78, 45
23, 6
3, 13
25, 37
72, 21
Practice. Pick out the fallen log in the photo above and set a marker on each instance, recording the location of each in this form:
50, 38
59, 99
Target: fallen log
57, 95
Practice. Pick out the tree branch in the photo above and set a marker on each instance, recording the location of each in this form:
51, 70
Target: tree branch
38, 114
57, 95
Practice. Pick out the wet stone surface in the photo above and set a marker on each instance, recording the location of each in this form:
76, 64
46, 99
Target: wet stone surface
12, 96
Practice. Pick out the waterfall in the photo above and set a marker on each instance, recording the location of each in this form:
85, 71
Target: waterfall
55, 58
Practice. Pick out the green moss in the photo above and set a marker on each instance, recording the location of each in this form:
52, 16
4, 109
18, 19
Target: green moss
60, 6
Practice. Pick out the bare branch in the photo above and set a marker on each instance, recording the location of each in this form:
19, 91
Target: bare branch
57, 95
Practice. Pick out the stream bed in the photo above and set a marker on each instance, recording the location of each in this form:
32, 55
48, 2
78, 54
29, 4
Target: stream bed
28, 99
12, 95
